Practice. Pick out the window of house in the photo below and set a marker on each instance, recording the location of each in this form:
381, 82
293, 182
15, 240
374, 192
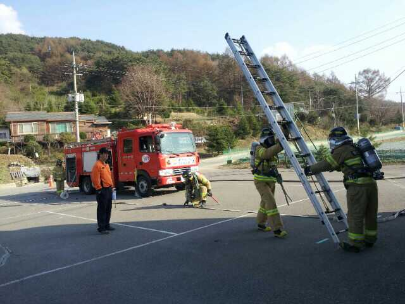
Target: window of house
146, 144
3, 135
60, 127
28, 128
127, 145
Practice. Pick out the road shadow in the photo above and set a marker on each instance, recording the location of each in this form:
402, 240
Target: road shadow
223, 260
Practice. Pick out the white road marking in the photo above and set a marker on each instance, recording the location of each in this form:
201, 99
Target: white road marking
307, 199
117, 252
80, 204
118, 224
5, 256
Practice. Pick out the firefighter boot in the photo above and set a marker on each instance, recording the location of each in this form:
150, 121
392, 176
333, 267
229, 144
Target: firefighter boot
263, 228
280, 233
349, 247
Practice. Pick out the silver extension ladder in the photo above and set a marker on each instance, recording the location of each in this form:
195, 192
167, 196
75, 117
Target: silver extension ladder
262, 86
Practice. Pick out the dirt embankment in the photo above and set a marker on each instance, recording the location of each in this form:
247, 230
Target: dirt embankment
5, 160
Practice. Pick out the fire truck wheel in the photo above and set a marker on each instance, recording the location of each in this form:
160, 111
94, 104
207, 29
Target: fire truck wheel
87, 186
144, 186
180, 187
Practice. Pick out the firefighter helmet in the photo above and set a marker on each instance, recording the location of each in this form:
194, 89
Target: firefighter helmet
267, 138
337, 137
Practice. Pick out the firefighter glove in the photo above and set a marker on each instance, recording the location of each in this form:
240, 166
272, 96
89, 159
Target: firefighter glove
307, 171
209, 193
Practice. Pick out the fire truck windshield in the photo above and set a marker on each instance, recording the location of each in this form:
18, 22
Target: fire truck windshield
177, 142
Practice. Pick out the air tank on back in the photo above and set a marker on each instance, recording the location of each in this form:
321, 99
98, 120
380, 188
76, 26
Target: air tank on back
369, 154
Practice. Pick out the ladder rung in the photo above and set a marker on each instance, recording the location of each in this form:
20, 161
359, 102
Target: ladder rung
253, 66
245, 53
341, 231
271, 94
321, 191
331, 211
284, 122
295, 138
304, 154
236, 40
275, 107
262, 79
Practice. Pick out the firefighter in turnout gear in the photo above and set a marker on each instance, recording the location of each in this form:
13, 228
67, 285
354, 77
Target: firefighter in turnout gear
362, 191
198, 187
59, 176
264, 156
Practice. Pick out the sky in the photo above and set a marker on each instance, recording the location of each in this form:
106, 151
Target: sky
347, 36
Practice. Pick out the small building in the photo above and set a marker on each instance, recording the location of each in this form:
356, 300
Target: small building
4, 134
40, 123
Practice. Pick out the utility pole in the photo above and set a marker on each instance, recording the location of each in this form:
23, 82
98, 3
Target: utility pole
402, 109
334, 115
76, 98
310, 100
357, 105
241, 92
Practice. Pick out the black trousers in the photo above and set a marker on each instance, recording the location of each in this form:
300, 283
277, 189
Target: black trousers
104, 205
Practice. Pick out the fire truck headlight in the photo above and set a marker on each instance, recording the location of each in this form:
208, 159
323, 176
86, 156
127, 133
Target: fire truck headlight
194, 169
166, 172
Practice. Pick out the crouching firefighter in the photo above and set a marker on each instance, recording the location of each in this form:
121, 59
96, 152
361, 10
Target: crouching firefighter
59, 176
360, 166
198, 187
263, 160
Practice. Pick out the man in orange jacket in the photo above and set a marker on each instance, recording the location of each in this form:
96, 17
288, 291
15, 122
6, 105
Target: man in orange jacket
103, 183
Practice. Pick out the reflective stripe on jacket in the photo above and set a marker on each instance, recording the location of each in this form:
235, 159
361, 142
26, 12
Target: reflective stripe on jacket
345, 158
267, 158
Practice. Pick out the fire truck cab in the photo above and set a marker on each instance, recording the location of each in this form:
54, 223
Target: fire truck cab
156, 155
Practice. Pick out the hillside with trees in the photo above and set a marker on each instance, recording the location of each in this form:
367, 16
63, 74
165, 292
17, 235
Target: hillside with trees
127, 86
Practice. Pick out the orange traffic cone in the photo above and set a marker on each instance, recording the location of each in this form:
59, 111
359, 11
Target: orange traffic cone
50, 181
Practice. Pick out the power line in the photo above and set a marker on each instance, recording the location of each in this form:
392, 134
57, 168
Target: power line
389, 83
362, 56
352, 54
343, 42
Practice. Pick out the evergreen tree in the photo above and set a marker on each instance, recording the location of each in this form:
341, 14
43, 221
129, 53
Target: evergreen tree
254, 125
243, 128
220, 138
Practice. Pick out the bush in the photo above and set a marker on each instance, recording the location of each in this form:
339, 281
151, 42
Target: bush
220, 138
66, 137
29, 137
313, 117
254, 125
31, 148
301, 116
222, 108
46, 173
83, 135
3, 150
243, 128
321, 153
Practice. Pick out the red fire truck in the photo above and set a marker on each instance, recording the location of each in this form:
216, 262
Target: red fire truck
159, 153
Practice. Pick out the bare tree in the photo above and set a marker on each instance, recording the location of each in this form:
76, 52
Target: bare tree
372, 83
142, 90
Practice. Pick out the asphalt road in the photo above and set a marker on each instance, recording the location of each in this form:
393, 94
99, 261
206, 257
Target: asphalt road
161, 252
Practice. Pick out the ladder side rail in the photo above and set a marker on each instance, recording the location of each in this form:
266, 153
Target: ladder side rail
294, 130
283, 140
278, 102
280, 135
